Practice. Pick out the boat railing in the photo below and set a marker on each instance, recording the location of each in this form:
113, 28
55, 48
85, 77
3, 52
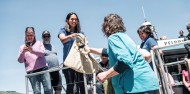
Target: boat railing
160, 67
93, 90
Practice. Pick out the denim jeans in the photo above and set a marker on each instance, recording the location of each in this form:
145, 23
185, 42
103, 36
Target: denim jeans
99, 88
41, 78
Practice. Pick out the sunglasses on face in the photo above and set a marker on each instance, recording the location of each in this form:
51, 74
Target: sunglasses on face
46, 36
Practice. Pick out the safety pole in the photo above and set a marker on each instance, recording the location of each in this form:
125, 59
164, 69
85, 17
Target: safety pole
94, 83
85, 84
26, 83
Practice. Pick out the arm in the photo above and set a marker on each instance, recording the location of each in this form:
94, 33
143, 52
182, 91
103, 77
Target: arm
147, 57
97, 51
185, 83
39, 50
118, 68
171, 80
47, 52
124, 59
107, 74
52, 50
21, 55
160, 50
64, 38
145, 54
153, 47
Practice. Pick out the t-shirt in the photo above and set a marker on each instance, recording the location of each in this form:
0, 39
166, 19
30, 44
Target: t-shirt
51, 56
185, 73
148, 43
67, 46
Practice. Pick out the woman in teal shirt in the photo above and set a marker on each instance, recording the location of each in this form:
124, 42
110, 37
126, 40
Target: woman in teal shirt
129, 71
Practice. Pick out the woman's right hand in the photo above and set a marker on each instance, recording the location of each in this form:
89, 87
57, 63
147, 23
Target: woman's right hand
26, 49
72, 35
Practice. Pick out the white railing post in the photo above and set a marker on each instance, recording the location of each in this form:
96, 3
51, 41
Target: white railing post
85, 84
94, 83
26, 83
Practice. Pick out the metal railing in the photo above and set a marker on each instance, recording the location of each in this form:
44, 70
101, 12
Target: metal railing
58, 69
161, 68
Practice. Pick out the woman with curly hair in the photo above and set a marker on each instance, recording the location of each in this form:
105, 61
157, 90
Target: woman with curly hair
130, 73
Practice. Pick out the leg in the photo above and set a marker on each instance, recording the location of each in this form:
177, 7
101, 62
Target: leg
46, 82
56, 82
69, 77
99, 88
76, 89
80, 82
35, 83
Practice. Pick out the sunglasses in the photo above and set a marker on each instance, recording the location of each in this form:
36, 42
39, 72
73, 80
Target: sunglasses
46, 36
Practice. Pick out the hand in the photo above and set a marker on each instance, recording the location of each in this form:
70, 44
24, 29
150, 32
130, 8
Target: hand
102, 76
72, 35
30, 48
26, 49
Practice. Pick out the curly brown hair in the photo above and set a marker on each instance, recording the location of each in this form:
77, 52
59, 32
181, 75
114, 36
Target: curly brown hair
112, 24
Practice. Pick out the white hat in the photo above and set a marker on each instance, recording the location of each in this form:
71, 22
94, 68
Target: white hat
146, 23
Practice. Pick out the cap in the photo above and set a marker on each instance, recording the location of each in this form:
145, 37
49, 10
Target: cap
45, 32
146, 23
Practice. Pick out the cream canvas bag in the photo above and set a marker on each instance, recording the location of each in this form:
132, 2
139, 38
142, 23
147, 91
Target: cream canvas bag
79, 57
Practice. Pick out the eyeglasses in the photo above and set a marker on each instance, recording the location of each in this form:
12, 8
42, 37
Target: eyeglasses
46, 36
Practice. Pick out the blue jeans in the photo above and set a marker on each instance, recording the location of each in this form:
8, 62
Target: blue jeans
42, 78
99, 88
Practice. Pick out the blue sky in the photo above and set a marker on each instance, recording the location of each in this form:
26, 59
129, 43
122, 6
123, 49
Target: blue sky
168, 17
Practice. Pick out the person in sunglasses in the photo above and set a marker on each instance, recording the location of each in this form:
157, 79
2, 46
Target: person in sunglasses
52, 61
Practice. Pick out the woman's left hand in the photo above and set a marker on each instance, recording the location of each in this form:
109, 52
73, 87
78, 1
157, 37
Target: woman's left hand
102, 76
